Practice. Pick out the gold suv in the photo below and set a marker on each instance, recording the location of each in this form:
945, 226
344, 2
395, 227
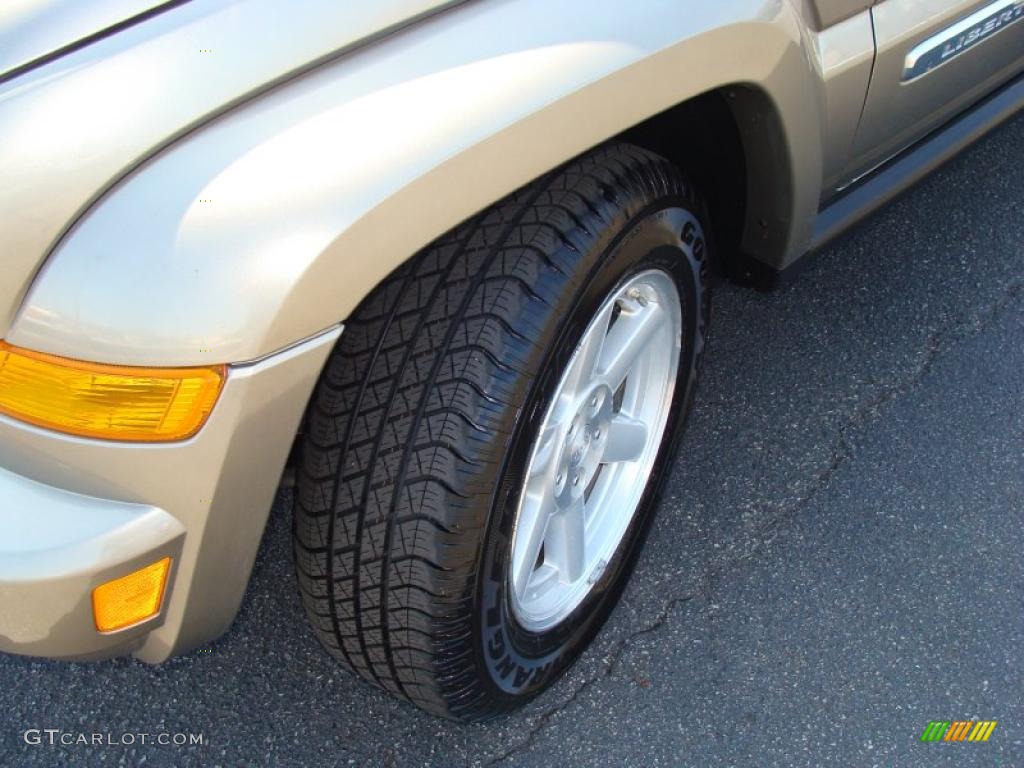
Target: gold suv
449, 261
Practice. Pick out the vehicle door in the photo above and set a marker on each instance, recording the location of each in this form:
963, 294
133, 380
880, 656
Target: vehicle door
935, 58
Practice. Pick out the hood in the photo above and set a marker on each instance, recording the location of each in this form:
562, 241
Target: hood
94, 89
35, 31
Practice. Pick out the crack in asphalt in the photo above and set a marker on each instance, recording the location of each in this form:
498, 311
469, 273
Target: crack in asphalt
938, 343
607, 670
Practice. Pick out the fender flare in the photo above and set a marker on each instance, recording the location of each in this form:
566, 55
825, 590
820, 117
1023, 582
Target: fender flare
273, 221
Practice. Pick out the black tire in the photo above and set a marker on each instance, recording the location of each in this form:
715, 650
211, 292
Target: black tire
425, 413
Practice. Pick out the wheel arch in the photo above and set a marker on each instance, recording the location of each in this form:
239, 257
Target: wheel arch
732, 145
304, 199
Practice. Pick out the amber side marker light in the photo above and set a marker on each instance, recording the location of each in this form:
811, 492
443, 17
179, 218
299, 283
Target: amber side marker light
110, 402
130, 599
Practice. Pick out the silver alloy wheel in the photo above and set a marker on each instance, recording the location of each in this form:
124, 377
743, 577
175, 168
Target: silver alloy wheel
595, 449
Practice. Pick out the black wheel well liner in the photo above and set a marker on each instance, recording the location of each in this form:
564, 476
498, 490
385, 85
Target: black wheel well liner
731, 143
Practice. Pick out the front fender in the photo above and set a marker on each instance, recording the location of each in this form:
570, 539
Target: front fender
273, 221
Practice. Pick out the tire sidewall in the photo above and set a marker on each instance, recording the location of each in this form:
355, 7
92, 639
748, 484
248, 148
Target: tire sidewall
669, 234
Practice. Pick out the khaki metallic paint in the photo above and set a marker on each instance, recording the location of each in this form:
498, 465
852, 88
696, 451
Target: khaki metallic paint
897, 113
846, 51
825, 13
218, 486
165, 206
308, 183
55, 547
75, 126
33, 29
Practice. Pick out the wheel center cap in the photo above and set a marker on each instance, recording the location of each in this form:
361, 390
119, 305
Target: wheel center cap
580, 443
584, 443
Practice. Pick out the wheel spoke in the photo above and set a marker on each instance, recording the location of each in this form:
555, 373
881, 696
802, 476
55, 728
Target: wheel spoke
565, 542
585, 359
546, 452
531, 527
626, 440
627, 340
592, 451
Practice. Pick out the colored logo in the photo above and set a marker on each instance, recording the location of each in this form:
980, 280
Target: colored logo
958, 730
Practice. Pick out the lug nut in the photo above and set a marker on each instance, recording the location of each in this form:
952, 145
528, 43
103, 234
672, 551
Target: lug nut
576, 480
597, 434
593, 401
559, 479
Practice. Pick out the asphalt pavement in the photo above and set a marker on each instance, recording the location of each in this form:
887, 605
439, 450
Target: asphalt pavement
837, 562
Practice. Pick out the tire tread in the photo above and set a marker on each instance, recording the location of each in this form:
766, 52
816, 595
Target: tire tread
408, 425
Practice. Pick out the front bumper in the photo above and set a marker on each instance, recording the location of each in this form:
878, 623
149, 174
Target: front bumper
55, 548
77, 512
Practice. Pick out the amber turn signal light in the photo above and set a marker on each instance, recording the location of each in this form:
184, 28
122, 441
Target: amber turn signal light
130, 599
109, 402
